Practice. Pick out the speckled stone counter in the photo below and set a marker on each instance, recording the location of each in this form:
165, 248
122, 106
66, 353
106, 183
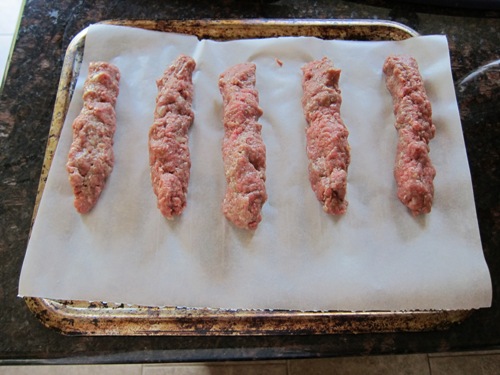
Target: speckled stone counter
26, 107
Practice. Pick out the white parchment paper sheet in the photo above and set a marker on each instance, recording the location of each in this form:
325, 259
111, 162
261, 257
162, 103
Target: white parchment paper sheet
375, 257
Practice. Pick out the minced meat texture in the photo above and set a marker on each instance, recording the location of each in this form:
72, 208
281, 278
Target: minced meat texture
243, 150
91, 158
413, 170
327, 144
169, 156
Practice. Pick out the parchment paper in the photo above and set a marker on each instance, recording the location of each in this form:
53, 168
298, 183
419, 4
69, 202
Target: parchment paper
375, 257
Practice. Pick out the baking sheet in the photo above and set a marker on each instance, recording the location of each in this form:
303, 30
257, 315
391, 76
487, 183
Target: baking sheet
376, 257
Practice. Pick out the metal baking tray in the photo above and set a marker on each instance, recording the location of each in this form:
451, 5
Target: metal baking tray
100, 318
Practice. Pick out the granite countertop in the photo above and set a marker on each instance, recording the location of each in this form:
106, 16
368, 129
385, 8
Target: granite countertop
26, 107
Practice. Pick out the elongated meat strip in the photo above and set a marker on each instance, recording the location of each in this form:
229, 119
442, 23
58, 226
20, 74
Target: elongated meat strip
413, 171
91, 158
169, 157
243, 150
326, 135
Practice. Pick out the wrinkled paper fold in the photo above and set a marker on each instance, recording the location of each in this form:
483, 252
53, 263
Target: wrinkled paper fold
375, 257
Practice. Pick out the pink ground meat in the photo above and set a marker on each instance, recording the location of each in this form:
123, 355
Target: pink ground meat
243, 150
91, 158
326, 135
169, 156
413, 170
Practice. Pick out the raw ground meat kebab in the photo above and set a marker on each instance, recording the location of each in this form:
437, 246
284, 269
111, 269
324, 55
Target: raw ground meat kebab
91, 158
